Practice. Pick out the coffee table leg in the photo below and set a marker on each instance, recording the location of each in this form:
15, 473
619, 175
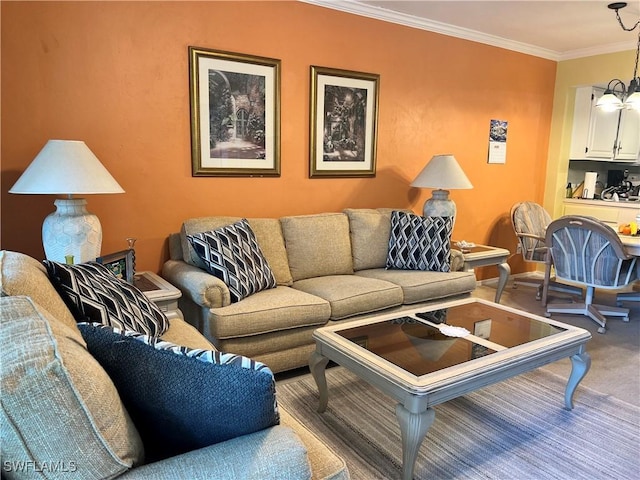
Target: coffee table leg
413, 427
504, 270
580, 364
317, 365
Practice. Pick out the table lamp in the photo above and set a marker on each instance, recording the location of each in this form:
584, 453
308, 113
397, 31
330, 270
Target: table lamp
442, 173
68, 167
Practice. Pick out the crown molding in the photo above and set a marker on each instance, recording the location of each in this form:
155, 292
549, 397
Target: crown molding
356, 8
599, 50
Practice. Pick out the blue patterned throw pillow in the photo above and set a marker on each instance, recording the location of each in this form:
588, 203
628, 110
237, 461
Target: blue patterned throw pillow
233, 255
94, 294
182, 399
419, 243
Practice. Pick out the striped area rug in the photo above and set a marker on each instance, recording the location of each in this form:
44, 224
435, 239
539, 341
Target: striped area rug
516, 429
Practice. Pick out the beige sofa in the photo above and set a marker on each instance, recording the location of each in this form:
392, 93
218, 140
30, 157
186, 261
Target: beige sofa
62, 416
329, 267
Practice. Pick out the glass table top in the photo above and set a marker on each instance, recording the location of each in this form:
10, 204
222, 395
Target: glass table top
419, 346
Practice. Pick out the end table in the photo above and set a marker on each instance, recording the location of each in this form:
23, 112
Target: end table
160, 292
485, 255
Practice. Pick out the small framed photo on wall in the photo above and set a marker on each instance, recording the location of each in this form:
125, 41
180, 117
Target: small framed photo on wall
344, 116
235, 114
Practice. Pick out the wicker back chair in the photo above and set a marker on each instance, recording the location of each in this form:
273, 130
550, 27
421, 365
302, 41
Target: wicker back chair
586, 251
530, 221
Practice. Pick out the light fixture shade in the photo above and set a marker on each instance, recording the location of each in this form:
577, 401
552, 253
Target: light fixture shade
442, 172
609, 102
66, 167
633, 101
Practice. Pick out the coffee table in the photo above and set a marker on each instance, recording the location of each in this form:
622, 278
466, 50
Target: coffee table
418, 363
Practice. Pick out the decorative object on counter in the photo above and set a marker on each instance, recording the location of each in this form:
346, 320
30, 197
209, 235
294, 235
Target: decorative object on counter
68, 167
617, 96
442, 173
569, 191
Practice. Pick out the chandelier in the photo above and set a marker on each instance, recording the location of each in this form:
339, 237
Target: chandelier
617, 96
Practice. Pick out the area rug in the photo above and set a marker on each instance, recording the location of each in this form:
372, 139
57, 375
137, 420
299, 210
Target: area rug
516, 429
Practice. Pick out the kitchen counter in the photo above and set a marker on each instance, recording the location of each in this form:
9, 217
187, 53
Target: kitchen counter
612, 213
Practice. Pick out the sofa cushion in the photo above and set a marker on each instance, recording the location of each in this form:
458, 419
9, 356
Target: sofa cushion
182, 333
93, 293
351, 295
370, 231
277, 309
58, 404
268, 233
233, 255
21, 274
182, 399
419, 243
317, 245
420, 286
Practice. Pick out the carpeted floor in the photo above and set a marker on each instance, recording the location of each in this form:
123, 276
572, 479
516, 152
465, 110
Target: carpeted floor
516, 429
615, 355
599, 439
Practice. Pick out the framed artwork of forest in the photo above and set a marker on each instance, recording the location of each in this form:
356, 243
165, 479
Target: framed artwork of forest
235, 114
344, 116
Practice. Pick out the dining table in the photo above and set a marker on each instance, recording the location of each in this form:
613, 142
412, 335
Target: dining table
631, 244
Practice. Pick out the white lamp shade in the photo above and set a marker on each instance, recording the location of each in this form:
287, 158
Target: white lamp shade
66, 167
442, 172
633, 101
609, 103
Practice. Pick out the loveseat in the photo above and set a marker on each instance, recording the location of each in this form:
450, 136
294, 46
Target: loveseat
62, 416
328, 268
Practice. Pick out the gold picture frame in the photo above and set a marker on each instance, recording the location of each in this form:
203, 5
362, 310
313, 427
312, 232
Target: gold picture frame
344, 117
122, 264
235, 114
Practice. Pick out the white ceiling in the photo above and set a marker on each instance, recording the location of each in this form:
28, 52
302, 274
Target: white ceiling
553, 29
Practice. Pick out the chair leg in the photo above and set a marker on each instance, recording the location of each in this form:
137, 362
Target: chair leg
596, 312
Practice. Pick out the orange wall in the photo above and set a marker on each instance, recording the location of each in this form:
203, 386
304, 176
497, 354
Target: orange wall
116, 76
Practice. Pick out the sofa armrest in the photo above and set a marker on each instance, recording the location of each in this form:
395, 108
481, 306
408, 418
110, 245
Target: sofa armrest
457, 260
275, 452
199, 286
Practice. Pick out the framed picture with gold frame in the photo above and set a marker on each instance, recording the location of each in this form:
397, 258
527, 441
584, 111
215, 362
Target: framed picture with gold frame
235, 114
344, 117
122, 264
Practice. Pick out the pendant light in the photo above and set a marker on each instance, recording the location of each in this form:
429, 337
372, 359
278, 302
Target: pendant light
617, 96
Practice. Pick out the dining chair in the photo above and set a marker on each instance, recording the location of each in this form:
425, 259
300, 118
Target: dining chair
529, 221
586, 251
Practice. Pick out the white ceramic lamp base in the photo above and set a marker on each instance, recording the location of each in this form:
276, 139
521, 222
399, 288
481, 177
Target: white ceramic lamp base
439, 205
71, 230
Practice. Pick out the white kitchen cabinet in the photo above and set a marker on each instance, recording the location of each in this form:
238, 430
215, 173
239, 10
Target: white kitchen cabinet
600, 135
628, 143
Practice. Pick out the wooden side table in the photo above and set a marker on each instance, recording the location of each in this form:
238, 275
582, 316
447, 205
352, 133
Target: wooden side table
160, 292
485, 255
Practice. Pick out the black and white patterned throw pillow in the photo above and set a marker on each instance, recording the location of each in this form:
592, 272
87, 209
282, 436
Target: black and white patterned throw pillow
233, 255
94, 294
419, 243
